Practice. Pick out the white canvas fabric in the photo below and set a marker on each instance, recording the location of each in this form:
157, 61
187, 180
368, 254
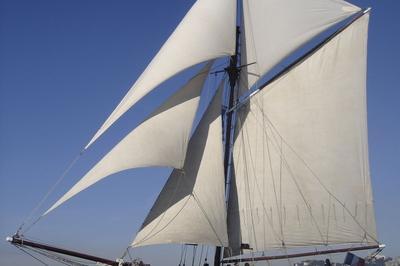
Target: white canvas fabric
191, 206
206, 32
161, 140
273, 29
301, 154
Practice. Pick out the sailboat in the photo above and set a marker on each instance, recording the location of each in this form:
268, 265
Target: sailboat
276, 161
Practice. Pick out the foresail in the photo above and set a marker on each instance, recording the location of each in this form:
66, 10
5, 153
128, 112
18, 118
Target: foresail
161, 140
273, 29
191, 206
206, 32
301, 154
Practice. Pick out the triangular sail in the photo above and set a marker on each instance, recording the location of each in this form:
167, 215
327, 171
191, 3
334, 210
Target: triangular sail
206, 32
273, 29
191, 206
301, 154
161, 140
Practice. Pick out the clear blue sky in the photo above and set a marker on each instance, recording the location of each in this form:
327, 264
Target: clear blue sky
64, 65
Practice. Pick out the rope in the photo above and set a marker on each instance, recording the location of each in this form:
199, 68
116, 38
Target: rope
206, 216
248, 192
194, 254
298, 187
317, 178
30, 216
184, 257
50, 256
201, 254
129, 254
151, 234
274, 186
56, 257
182, 250
265, 212
267, 138
29, 254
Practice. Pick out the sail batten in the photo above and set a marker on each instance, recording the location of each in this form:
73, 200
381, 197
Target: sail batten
301, 153
206, 32
191, 206
161, 140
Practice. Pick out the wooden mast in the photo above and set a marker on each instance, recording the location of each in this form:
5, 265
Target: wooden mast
233, 71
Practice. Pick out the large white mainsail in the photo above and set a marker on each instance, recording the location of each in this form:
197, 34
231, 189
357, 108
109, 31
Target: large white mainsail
273, 29
161, 140
191, 206
206, 32
301, 154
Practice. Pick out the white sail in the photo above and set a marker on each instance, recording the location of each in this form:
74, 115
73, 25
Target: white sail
275, 28
161, 140
191, 206
301, 154
206, 32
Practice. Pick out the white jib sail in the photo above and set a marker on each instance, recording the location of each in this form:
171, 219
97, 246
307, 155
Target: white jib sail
206, 32
301, 154
161, 140
191, 206
273, 29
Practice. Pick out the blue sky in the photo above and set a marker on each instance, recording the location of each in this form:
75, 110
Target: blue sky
64, 65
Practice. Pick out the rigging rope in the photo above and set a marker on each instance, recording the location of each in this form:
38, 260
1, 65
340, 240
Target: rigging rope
182, 251
130, 256
265, 212
47, 255
207, 218
201, 254
194, 254
184, 257
127, 253
57, 257
151, 234
29, 254
41, 202
292, 175
272, 126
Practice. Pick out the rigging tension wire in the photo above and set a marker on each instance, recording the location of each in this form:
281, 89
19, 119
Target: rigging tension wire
302, 160
184, 256
41, 202
194, 254
201, 254
29, 254
182, 252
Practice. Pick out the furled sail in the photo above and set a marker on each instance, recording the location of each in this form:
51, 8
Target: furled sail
301, 154
191, 206
273, 29
206, 32
161, 140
